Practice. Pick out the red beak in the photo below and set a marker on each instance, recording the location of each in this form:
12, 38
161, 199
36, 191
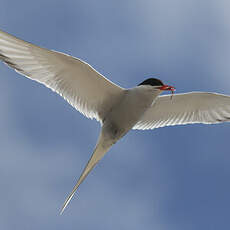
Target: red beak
167, 87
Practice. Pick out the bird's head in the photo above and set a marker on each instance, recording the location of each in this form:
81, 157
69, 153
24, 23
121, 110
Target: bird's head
157, 84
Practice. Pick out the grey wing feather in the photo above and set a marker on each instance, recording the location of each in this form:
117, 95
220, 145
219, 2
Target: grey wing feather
81, 85
187, 108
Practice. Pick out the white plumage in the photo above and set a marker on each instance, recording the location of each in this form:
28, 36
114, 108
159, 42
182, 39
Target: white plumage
81, 85
186, 108
117, 109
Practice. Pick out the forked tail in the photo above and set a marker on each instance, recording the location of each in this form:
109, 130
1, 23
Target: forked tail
100, 150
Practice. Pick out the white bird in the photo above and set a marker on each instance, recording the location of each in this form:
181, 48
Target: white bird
117, 109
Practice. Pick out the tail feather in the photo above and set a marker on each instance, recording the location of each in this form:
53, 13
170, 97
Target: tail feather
99, 151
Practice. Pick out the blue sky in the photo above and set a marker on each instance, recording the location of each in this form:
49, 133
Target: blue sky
168, 178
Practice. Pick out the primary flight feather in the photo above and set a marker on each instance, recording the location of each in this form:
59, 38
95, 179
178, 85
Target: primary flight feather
117, 109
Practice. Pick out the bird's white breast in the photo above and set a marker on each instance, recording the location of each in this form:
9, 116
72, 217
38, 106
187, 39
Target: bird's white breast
129, 109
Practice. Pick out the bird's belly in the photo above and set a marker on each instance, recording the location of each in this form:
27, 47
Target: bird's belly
126, 114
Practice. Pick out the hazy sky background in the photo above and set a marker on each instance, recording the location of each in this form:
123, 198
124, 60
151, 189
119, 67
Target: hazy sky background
166, 179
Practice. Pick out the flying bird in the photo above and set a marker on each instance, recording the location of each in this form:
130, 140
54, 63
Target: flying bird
117, 109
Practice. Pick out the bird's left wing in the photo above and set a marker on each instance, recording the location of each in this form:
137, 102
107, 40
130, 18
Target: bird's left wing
187, 108
81, 85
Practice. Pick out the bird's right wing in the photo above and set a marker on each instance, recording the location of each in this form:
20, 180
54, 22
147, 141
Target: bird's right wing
187, 108
81, 85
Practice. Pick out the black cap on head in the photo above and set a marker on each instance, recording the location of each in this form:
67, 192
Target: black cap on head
152, 82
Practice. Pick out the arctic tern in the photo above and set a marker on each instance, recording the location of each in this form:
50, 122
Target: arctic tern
117, 109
